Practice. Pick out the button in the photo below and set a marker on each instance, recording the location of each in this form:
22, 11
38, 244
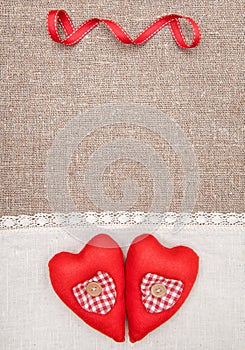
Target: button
158, 290
94, 289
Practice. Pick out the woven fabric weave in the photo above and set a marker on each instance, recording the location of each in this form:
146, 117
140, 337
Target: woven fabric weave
45, 85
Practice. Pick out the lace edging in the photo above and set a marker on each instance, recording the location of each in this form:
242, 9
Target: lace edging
119, 218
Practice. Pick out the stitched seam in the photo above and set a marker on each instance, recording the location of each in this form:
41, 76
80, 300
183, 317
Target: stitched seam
47, 17
121, 28
156, 31
87, 31
148, 27
132, 41
175, 38
69, 19
82, 35
198, 28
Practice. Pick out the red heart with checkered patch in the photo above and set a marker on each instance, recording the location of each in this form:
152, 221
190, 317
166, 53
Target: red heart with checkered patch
151, 264
100, 263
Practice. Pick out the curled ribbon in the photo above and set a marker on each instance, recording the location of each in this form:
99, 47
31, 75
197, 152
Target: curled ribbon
73, 35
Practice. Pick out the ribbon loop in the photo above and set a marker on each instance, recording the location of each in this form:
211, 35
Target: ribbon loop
73, 35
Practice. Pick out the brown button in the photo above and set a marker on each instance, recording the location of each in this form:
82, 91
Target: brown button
94, 289
158, 290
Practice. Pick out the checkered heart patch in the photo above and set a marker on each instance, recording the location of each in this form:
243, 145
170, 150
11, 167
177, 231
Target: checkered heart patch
154, 304
100, 304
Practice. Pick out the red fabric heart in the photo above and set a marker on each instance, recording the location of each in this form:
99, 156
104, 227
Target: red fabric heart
68, 270
147, 255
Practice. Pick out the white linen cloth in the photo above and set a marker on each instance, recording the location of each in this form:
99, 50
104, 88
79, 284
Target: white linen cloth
32, 316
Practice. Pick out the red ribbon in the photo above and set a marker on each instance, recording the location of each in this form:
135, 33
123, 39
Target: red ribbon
73, 35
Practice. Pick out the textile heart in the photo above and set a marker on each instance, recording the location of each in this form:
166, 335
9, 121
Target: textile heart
158, 281
91, 283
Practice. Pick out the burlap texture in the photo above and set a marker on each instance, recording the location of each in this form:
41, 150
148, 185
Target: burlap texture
45, 84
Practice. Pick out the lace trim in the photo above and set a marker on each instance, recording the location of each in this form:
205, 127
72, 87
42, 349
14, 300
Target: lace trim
119, 218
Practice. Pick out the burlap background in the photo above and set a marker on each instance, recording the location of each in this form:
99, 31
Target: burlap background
45, 84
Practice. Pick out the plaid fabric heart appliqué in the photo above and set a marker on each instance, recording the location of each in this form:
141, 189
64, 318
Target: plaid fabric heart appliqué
168, 296
99, 304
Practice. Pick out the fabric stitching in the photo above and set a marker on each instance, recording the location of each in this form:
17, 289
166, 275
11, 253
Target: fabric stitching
132, 41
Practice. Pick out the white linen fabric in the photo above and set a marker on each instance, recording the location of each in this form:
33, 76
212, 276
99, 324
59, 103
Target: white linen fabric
32, 316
